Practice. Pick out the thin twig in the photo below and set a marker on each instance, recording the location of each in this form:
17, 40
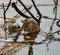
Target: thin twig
57, 39
55, 11
28, 11
56, 32
8, 6
58, 23
46, 17
5, 15
38, 12
4, 19
18, 11
32, 5
23, 42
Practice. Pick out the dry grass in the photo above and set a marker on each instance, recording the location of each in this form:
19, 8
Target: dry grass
10, 48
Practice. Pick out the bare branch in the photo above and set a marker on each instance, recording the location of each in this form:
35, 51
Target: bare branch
46, 17
8, 6
56, 32
58, 23
57, 39
54, 11
4, 19
32, 5
13, 5
38, 12
28, 11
